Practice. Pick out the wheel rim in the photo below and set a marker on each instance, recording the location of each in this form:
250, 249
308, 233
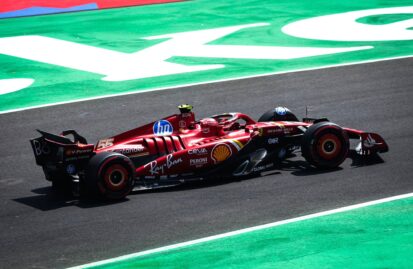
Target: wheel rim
116, 177
329, 146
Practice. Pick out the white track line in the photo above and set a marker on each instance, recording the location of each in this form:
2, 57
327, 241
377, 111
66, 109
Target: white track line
201, 83
247, 230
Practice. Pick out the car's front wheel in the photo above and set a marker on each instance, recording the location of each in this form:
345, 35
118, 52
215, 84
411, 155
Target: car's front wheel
325, 145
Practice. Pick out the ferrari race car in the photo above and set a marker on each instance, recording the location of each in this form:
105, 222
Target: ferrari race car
179, 148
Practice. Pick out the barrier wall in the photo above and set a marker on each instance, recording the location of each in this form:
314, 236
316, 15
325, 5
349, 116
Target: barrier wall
13, 8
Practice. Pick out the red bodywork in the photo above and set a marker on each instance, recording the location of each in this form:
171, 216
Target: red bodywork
178, 148
201, 145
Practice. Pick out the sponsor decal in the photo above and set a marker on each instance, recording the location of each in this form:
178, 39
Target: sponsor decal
221, 152
162, 127
104, 143
137, 150
198, 162
74, 158
281, 129
71, 152
198, 151
275, 131
272, 141
156, 169
40, 147
260, 132
281, 110
263, 167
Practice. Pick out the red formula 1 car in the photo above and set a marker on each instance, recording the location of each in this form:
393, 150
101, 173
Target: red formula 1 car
178, 148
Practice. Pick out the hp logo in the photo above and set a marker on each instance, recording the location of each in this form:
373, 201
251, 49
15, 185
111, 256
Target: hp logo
162, 127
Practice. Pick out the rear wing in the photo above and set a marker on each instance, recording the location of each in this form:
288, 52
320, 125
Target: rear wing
52, 149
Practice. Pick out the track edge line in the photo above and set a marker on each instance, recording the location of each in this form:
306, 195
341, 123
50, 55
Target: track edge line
246, 230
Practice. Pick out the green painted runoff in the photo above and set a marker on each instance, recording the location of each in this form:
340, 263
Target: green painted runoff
378, 236
124, 29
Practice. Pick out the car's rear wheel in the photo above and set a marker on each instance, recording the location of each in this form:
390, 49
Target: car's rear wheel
325, 145
111, 175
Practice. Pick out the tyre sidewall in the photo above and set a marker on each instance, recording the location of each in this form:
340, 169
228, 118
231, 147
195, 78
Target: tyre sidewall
311, 141
97, 175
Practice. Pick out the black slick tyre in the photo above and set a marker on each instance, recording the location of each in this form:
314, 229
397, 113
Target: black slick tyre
325, 145
110, 175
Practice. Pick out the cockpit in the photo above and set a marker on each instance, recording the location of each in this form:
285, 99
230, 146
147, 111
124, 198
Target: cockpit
216, 125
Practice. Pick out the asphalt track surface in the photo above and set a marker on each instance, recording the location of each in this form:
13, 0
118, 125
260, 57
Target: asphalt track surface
42, 230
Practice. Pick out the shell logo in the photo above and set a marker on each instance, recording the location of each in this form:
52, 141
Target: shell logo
221, 152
